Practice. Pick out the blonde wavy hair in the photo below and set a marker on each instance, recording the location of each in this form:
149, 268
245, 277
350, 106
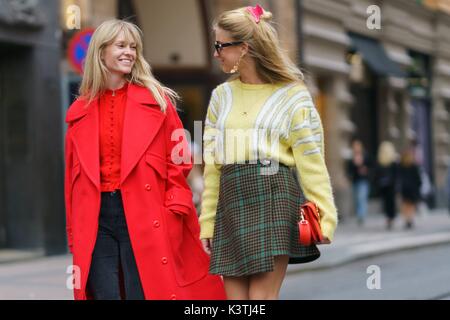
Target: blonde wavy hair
386, 154
272, 62
96, 73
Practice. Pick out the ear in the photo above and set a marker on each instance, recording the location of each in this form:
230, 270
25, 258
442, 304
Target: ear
245, 48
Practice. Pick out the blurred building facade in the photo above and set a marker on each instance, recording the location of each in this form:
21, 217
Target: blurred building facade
381, 84
386, 83
31, 166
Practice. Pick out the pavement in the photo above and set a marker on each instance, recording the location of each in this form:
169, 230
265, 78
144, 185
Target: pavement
30, 275
353, 242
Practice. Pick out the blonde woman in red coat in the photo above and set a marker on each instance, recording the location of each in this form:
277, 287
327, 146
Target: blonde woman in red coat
131, 224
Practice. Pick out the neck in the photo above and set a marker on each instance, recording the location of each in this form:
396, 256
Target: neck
115, 81
248, 74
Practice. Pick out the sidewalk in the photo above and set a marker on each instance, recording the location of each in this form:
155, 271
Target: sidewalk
352, 242
26, 276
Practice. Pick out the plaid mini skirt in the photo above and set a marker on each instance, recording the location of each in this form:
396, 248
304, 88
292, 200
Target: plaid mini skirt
256, 220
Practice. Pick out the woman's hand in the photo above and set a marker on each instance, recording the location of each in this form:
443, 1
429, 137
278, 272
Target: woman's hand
207, 245
325, 241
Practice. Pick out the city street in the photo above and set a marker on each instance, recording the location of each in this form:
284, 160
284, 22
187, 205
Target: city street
413, 274
40, 279
134, 128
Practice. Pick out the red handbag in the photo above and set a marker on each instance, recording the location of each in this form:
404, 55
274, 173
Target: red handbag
309, 224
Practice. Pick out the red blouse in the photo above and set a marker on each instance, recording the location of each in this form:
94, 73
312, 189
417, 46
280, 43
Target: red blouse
111, 110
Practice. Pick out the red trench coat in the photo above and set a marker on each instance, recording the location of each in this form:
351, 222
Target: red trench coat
166, 245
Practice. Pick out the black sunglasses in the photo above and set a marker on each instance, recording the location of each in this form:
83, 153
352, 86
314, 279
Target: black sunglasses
219, 46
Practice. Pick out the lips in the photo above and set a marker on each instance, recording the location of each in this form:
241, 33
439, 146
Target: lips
126, 61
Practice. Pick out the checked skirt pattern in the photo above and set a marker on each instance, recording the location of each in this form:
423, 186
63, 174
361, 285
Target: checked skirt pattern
256, 220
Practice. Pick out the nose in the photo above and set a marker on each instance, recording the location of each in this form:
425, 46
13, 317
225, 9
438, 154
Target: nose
128, 51
216, 55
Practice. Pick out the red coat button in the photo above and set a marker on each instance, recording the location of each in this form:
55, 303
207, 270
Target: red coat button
171, 197
164, 260
173, 297
148, 187
156, 224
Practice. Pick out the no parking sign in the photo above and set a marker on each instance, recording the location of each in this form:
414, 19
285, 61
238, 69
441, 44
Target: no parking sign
77, 49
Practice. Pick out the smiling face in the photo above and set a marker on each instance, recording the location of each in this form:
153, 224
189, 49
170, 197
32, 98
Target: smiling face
120, 56
228, 56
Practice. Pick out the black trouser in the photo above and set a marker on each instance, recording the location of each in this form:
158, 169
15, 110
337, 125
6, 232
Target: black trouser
112, 253
388, 197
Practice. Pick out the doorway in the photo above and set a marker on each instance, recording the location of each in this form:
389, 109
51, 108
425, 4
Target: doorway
18, 224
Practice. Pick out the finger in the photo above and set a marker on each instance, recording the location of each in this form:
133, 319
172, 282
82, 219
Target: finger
210, 244
205, 244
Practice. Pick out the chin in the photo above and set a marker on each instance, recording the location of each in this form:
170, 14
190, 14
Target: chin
125, 71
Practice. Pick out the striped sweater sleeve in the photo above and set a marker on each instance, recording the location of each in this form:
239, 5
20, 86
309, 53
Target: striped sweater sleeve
307, 142
211, 173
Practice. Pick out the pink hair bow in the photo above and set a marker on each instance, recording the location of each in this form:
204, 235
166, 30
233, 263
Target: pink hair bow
256, 11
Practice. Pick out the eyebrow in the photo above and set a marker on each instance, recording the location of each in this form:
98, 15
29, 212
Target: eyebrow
125, 41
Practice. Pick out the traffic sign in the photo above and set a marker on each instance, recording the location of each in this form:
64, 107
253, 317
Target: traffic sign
77, 49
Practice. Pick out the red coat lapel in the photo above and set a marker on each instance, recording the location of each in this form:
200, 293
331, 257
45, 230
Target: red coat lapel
142, 121
85, 136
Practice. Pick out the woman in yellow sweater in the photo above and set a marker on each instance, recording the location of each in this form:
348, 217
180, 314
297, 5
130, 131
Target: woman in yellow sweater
264, 155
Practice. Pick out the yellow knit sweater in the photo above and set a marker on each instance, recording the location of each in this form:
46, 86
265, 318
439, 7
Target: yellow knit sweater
265, 121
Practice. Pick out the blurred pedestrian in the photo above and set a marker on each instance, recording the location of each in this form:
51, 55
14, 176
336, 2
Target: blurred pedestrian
131, 223
386, 178
251, 202
410, 183
448, 186
426, 189
358, 170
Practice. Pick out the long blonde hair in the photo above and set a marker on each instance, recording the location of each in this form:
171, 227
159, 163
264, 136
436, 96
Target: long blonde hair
96, 73
272, 63
386, 154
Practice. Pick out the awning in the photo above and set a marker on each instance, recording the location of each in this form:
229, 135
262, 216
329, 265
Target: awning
375, 56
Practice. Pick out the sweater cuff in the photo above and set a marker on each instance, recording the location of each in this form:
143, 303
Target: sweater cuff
328, 230
207, 230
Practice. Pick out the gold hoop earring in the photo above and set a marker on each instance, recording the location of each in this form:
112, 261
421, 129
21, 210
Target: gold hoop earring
236, 66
